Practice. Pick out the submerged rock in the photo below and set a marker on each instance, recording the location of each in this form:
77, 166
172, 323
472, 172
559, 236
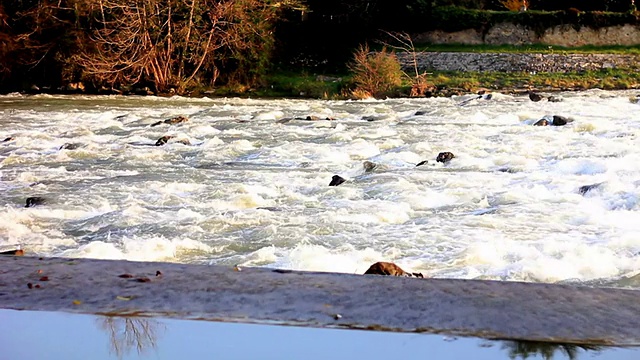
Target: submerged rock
556, 120
445, 157
284, 120
336, 180
35, 201
481, 95
389, 269
316, 118
554, 99
560, 120
16, 252
10, 138
534, 97
371, 118
175, 120
423, 162
268, 208
369, 166
70, 146
163, 140
586, 188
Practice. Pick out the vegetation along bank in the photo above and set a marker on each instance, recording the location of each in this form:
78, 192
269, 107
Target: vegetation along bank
313, 48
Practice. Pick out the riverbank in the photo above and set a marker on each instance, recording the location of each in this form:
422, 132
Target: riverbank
442, 83
450, 71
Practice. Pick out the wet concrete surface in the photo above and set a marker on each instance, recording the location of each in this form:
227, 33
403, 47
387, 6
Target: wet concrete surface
486, 309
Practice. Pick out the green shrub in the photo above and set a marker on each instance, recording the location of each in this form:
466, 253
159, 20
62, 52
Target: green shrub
454, 18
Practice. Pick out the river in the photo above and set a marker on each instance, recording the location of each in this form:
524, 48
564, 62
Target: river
251, 185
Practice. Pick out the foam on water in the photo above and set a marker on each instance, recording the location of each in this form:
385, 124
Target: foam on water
253, 190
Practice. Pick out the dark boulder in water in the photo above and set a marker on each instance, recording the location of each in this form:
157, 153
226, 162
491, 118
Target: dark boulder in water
70, 146
559, 120
481, 95
10, 138
554, 99
35, 201
445, 157
369, 166
371, 118
556, 120
423, 162
420, 112
175, 120
268, 208
336, 180
163, 140
534, 97
316, 118
389, 269
586, 188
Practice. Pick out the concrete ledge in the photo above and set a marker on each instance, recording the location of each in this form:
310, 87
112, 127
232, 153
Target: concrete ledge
490, 309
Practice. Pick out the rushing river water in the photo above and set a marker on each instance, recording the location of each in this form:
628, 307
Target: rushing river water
252, 187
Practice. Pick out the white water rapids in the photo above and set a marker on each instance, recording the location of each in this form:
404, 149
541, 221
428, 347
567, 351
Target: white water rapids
252, 188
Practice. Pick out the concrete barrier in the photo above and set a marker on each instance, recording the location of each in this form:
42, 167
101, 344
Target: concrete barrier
488, 309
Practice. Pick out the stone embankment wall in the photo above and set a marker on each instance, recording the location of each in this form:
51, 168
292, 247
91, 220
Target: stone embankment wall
512, 34
512, 62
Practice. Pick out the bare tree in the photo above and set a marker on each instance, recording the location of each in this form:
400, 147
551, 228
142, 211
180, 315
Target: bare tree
402, 41
526, 349
170, 43
128, 333
7, 45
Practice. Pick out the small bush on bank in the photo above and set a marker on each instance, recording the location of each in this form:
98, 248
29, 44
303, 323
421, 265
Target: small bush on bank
374, 73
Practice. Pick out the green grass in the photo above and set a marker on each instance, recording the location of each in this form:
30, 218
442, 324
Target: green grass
287, 84
519, 81
308, 86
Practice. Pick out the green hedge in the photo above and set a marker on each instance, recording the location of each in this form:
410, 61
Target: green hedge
454, 18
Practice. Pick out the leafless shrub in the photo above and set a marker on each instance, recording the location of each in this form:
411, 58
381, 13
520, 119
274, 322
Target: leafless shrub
128, 333
172, 43
374, 73
419, 82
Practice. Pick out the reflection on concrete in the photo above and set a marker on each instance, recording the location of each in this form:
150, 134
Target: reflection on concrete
546, 350
127, 333
54, 335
